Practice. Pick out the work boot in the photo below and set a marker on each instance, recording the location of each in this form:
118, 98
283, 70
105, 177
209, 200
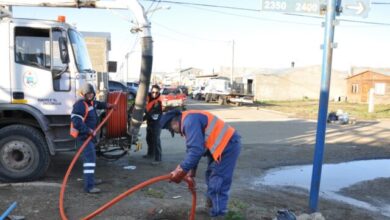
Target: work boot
98, 181
147, 156
94, 190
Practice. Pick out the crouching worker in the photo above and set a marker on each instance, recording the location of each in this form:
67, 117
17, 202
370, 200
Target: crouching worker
84, 120
206, 135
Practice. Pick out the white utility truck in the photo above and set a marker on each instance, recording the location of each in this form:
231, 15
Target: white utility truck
42, 66
220, 89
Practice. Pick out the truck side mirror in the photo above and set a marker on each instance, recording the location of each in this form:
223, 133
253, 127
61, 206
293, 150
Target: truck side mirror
64, 54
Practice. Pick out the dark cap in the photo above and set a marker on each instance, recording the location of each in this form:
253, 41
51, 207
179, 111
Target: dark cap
167, 118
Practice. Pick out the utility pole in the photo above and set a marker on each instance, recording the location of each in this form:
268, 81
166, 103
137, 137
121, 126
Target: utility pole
231, 74
179, 72
327, 55
127, 66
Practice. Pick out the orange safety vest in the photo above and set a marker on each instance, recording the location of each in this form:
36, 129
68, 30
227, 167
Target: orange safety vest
73, 131
150, 104
216, 134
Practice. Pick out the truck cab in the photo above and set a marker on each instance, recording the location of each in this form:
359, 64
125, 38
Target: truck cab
42, 65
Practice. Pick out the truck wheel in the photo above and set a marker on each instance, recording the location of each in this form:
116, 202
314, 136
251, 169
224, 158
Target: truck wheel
24, 155
221, 100
207, 98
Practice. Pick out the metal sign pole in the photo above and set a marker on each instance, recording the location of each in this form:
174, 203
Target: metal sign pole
323, 107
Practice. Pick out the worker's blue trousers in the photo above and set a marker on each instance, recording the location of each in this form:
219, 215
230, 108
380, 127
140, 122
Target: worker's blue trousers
219, 176
89, 164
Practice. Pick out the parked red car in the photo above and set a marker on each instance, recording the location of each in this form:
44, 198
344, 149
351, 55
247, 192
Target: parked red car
173, 98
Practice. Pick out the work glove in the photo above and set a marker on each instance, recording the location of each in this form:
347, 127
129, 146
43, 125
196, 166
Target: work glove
112, 106
92, 132
178, 174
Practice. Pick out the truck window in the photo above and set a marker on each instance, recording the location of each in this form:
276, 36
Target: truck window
32, 47
80, 51
60, 82
168, 91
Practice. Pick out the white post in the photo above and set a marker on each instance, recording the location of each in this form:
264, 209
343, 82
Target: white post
371, 100
232, 72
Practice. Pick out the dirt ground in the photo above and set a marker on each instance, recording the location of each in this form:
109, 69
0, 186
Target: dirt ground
270, 140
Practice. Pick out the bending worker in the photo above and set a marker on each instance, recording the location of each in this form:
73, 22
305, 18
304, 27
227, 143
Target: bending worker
206, 135
84, 121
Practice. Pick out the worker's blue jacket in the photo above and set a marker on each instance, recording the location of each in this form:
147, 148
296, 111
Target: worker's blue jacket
92, 119
193, 128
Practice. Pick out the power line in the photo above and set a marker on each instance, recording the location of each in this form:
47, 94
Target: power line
250, 17
380, 3
340, 19
365, 22
206, 5
188, 35
265, 19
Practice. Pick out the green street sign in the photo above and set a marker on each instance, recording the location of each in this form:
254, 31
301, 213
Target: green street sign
355, 7
293, 6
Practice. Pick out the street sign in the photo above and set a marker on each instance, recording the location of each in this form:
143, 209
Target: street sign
293, 6
356, 7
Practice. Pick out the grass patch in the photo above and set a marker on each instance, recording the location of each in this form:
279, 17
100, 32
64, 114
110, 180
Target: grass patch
236, 210
233, 215
309, 109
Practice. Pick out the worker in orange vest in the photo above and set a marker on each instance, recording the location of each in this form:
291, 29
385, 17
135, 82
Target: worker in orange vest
153, 112
84, 120
206, 135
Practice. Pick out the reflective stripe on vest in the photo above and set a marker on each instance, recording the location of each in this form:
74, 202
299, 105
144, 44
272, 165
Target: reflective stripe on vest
73, 131
217, 133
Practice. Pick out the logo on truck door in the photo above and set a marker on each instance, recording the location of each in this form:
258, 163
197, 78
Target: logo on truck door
30, 79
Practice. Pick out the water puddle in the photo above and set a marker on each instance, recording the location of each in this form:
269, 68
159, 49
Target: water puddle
334, 177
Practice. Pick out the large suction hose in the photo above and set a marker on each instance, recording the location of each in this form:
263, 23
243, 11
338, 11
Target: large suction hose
117, 123
117, 118
64, 182
189, 180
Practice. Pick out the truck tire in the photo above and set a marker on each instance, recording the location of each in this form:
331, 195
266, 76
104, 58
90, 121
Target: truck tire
207, 98
221, 100
24, 155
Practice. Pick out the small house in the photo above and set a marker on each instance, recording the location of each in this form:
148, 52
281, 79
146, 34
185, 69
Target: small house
359, 85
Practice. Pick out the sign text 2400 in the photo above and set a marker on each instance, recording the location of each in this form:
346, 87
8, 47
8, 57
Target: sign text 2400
306, 7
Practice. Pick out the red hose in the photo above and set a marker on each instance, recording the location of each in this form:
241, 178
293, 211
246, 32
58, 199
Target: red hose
189, 180
117, 123
63, 186
191, 186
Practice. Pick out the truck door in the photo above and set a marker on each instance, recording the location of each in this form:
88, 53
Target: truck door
40, 78
5, 55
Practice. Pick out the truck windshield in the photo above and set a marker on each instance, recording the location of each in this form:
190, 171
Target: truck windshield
80, 51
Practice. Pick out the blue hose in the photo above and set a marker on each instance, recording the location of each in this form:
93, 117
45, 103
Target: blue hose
9, 210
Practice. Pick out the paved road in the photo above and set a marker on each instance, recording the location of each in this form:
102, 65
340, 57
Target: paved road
260, 126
